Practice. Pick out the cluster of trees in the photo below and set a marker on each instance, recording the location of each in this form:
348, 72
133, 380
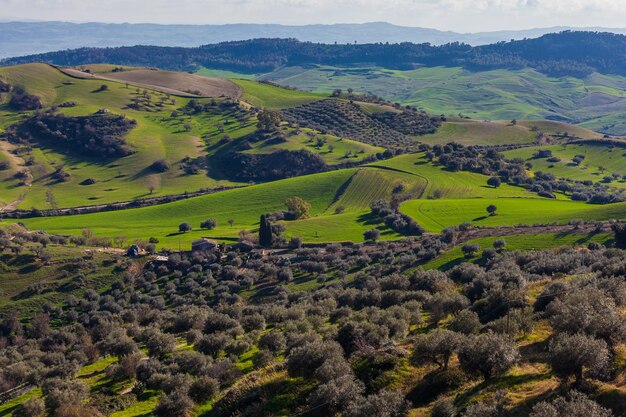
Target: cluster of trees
567, 53
390, 214
273, 166
97, 135
23, 101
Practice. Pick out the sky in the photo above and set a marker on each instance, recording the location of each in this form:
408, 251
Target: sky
454, 15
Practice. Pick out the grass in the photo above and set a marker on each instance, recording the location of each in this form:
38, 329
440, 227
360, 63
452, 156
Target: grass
600, 161
10, 408
271, 97
340, 206
527, 242
435, 215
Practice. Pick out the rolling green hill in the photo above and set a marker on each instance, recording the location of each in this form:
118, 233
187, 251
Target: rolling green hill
595, 102
162, 132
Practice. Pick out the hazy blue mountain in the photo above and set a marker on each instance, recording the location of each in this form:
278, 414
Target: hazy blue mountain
24, 38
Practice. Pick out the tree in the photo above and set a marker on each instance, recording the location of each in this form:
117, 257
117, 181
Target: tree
494, 182
444, 408
231, 222
160, 165
265, 232
184, 227
268, 120
203, 389
491, 209
385, 403
466, 322
588, 311
175, 404
335, 395
488, 354
298, 208
576, 405
436, 347
619, 231
470, 249
573, 354
372, 234
514, 122
33, 407
209, 224
295, 242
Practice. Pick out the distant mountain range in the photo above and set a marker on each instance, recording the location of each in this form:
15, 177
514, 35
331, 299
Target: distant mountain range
24, 38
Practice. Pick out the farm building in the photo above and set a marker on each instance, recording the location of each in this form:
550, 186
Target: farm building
203, 244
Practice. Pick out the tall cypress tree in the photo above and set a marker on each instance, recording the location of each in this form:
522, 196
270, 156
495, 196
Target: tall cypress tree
265, 232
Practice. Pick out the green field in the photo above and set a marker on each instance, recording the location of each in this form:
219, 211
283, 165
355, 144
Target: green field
600, 161
435, 215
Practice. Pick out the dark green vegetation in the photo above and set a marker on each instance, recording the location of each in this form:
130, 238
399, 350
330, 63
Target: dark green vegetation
558, 54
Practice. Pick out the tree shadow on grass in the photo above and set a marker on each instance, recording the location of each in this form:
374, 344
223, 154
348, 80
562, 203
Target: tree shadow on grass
368, 219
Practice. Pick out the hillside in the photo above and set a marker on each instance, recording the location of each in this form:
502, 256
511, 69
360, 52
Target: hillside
187, 135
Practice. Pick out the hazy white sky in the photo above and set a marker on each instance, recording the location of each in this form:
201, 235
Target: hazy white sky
456, 15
